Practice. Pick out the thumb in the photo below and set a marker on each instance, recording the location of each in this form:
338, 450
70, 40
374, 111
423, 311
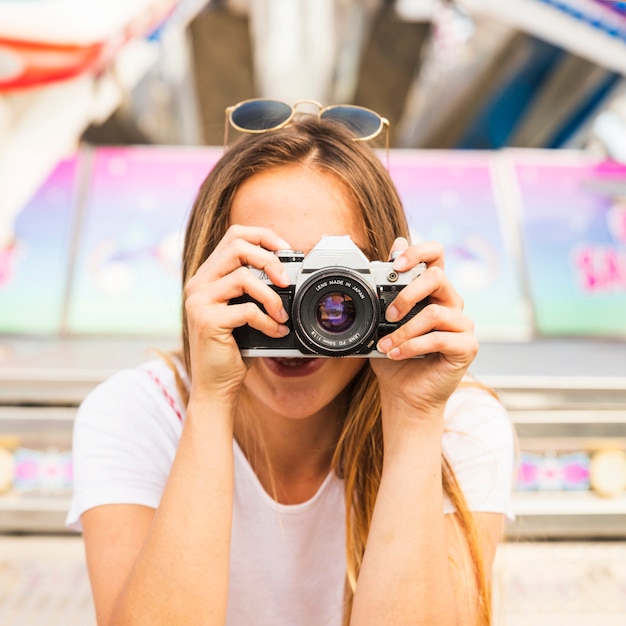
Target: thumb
399, 245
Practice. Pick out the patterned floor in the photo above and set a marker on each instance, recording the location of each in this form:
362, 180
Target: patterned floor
561, 584
43, 582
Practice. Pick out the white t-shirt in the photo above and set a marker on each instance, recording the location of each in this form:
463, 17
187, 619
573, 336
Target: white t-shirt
287, 561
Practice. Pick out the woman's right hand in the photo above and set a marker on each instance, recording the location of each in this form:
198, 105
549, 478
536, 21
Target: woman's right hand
216, 364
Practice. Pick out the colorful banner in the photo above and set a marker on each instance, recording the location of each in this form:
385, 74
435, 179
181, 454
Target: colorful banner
34, 263
573, 216
450, 197
117, 235
127, 267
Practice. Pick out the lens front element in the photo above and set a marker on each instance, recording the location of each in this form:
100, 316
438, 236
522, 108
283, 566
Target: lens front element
336, 312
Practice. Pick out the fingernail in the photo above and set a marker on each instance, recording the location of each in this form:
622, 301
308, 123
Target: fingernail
384, 345
393, 354
284, 316
284, 245
392, 314
283, 330
400, 263
285, 277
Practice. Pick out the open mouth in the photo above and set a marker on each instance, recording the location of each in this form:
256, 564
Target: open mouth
283, 366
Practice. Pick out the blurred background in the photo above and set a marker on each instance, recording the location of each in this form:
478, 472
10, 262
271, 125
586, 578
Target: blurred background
507, 144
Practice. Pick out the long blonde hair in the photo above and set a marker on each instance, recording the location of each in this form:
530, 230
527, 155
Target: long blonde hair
359, 451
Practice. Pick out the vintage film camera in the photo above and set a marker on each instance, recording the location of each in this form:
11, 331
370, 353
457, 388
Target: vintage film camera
336, 303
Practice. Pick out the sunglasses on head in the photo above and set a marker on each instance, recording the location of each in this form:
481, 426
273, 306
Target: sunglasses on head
263, 115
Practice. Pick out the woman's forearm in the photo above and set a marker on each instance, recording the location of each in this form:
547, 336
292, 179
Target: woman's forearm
405, 577
181, 573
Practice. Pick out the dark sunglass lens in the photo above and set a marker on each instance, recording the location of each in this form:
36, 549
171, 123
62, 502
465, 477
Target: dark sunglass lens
361, 122
260, 114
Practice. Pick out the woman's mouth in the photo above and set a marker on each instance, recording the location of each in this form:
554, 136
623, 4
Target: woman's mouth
293, 367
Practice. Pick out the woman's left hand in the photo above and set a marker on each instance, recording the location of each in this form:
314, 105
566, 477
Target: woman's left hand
440, 333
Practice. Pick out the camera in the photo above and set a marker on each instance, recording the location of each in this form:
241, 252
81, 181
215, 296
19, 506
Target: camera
336, 303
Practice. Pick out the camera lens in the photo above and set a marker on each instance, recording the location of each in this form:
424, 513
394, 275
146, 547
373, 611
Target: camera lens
336, 312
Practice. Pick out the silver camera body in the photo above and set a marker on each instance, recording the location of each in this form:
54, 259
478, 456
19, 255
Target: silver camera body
336, 303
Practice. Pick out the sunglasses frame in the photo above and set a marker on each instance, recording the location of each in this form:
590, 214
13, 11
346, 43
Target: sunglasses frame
383, 121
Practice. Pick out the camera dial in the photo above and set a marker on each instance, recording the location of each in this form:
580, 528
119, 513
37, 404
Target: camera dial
290, 256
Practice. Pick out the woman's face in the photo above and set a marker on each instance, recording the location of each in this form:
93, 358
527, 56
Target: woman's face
300, 204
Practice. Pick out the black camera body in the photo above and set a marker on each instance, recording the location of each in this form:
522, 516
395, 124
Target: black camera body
336, 303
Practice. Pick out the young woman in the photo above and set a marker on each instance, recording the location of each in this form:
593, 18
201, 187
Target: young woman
214, 489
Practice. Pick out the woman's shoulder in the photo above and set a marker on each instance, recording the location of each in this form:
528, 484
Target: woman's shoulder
125, 437
474, 409
151, 387
472, 394
479, 443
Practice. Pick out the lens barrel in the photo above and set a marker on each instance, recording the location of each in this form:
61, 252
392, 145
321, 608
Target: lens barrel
336, 313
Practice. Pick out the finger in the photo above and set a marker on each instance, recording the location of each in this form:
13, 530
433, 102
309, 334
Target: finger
432, 318
249, 313
257, 235
213, 322
434, 329
399, 245
457, 348
238, 253
238, 283
430, 252
243, 282
432, 284
235, 316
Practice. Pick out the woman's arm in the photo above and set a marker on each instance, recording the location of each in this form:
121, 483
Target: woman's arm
416, 569
170, 567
